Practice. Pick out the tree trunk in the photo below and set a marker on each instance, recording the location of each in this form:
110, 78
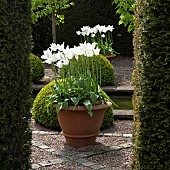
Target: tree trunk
53, 26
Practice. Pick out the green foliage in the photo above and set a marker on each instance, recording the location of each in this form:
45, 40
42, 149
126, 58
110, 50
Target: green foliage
126, 10
73, 91
15, 86
102, 35
37, 68
152, 91
40, 107
41, 8
107, 71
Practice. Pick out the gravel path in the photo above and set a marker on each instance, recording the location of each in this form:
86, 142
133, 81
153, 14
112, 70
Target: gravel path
119, 133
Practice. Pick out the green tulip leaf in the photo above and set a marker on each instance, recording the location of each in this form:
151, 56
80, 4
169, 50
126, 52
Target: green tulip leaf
75, 100
59, 107
65, 103
93, 97
88, 105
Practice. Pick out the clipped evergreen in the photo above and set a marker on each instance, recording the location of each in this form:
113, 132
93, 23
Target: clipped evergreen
37, 68
152, 86
40, 114
15, 87
40, 106
107, 70
83, 13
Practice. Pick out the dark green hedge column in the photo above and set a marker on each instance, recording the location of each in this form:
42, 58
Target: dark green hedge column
15, 101
151, 138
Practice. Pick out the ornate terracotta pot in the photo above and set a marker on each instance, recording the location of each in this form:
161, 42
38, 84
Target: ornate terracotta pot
78, 127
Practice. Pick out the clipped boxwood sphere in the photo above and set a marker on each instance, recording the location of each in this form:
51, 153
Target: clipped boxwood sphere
107, 70
37, 68
40, 114
40, 106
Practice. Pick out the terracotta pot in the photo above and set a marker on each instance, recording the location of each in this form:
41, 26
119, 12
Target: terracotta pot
78, 127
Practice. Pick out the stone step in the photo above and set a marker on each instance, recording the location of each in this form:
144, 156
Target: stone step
123, 114
118, 88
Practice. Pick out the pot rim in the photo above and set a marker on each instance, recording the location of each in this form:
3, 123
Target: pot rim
96, 107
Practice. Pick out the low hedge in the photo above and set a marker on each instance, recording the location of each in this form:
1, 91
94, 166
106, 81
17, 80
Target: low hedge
40, 105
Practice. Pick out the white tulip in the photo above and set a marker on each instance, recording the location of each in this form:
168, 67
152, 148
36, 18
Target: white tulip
78, 32
89, 53
86, 30
68, 52
76, 57
47, 54
77, 51
94, 44
60, 47
110, 28
83, 33
48, 61
104, 29
93, 35
44, 57
53, 58
64, 61
96, 51
100, 28
103, 35
53, 47
59, 64
95, 30
58, 56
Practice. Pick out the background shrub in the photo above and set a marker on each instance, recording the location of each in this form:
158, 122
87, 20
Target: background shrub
15, 86
37, 68
40, 105
152, 86
107, 71
85, 12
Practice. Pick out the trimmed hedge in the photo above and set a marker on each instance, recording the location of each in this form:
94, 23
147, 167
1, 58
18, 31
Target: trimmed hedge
40, 105
84, 12
37, 68
151, 98
15, 86
107, 70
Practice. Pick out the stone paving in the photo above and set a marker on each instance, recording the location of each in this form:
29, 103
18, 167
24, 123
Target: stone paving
80, 158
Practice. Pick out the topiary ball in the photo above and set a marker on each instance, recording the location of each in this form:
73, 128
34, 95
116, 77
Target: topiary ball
40, 114
37, 68
93, 63
40, 106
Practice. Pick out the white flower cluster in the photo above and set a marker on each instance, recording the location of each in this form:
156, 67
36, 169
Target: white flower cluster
86, 30
59, 55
